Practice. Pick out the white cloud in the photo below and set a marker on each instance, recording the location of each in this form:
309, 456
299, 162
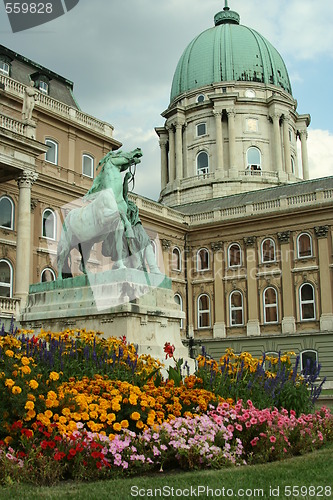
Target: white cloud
320, 152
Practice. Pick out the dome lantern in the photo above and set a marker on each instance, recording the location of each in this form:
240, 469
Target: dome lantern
226, 16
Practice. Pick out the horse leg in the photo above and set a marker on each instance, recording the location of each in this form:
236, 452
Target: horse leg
84, 249
118, 235
63, 250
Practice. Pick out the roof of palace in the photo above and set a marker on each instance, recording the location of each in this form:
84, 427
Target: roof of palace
228, 52
259, 196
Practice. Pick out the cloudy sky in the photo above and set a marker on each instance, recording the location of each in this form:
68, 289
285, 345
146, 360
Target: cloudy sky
121, 56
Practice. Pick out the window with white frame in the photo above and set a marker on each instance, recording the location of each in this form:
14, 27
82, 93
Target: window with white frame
6, 279
234, 255
47, 275
270, 303
236, 308
176, 259
6, 212
202, 259
88, 165
253, 156
49, 224
204, 311
178, 299
202, 163
4, 68
52, 154
304, 246
268, 250
309, 360
307, 302
43, 87
269, 363
201, 129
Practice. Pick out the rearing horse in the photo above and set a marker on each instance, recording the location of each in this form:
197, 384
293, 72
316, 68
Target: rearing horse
105, 211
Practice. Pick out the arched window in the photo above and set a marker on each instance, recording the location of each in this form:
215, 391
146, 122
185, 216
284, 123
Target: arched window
236, 308
293, 168
178, 299
52, 154
253, 156
6, 212
268, 250
4, 68
47, 275
270, 305
202, 259
304, 246
49, 224
176, 259
309, 361
269, 363
307, 302
88, 165
202, 163
6, 279
203, 311
234, 255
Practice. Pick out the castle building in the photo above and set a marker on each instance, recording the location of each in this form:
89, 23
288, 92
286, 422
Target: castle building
240, 228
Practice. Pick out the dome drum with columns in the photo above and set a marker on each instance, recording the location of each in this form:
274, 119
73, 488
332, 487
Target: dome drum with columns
232, 124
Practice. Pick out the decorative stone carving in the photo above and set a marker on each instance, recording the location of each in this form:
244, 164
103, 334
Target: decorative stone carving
166, 244
33, 204
216, 246
284, 236
27, 178
249, 241
321, 231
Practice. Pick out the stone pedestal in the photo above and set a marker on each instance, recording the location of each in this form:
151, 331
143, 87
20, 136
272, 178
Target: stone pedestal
326, 322
253, 328
288, 325
126, 302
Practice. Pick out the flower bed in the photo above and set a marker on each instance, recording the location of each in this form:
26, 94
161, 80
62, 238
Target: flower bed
74, 405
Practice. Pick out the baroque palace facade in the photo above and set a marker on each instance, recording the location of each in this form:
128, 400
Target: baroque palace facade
240, 228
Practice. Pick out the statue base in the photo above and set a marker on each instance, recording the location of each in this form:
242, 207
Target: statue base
122, 302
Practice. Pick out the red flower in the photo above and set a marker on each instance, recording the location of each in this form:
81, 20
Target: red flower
51, 444
169, 350
97, 454
72, 452
27, 432
123, 339
98, 465
59, 455
57, 438
17, 425
44, 444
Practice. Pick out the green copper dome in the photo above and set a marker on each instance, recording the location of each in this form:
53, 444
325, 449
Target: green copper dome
229, 52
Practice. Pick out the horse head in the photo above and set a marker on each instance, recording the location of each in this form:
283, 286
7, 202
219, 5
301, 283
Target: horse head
122, 159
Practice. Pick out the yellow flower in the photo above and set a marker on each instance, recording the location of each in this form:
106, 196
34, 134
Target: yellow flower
26, 370
25, 361
48, 413
16, 389
135, 415
8, 440
29, 405
33, 384
51, 395
9, 383
139, 424
54, 376
9, 353
124, 424
117, 427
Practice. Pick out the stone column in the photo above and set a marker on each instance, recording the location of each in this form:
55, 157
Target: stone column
179, 150
219, 330
304, 149
71, 157
233, 172
23, 247
172, 163
277, 141
286, 143
164, 162
253, 323
288, 324
219, 141
326, 317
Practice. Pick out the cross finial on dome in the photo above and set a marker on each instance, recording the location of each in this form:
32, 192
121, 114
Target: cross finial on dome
226, 6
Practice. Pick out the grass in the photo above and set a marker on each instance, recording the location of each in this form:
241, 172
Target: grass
272, 480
